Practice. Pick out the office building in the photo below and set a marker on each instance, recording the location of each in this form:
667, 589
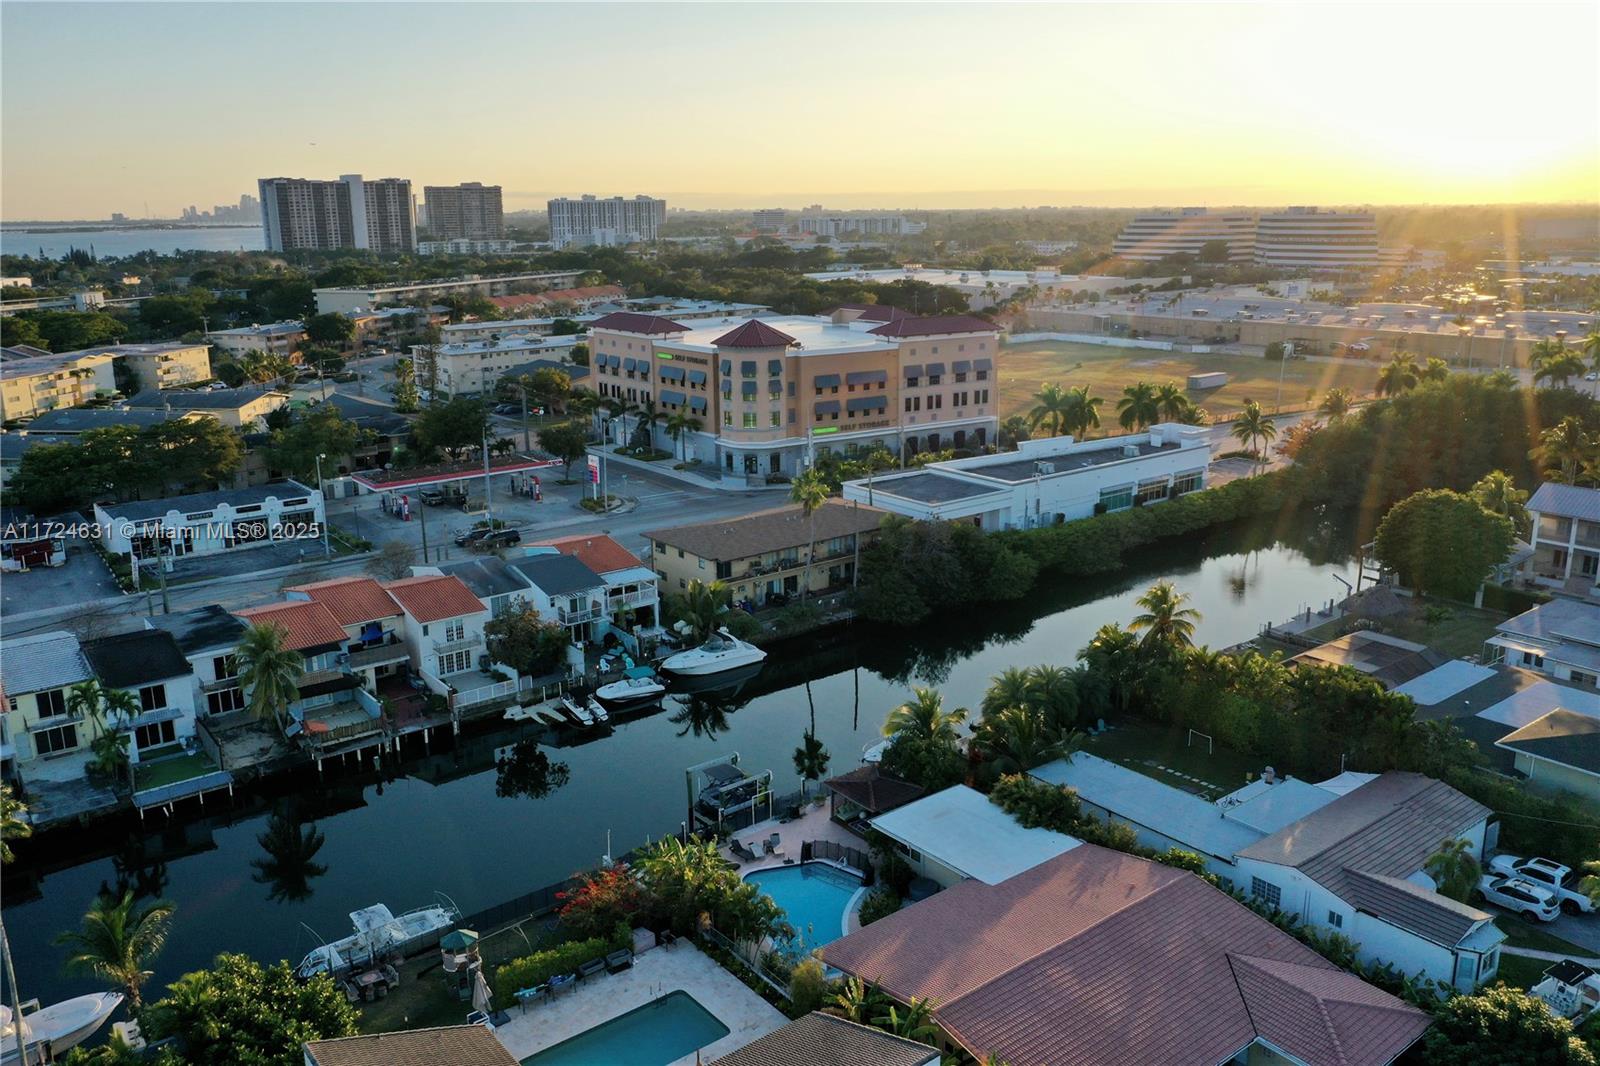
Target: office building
470, 211
859, 225
474, 368
591, 220
770, 220
1306, 238
1147, 238
301, 213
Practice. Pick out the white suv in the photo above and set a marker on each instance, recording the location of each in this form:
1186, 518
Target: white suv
1519, 896
1549, 875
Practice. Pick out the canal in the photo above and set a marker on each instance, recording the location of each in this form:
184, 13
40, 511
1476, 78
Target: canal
252, 878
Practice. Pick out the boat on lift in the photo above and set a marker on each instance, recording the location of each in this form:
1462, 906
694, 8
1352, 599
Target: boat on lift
721, 651
50, 1032
378, 934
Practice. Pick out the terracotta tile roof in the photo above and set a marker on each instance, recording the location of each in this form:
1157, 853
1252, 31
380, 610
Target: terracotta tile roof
766, 531
870, 788
535, 299
599, 553
754, 333
873, 312
823, 1040
633, 322
428, 599
352, 600
305, 624
934, 325
1096, 956
455, 1045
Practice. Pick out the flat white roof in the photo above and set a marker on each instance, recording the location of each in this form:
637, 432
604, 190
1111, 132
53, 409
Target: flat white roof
817, 336
1536, 701
963, 830
1442, 682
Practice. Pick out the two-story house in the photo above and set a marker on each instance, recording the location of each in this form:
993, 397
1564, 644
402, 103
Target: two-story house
207, 636
374, 644
1560, 639
633, 601
1565, 537
563, 590
148, 665
333, 708
442, 625
37, 673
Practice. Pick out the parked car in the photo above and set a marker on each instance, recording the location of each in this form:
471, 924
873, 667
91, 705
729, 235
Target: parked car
1519, 896
1548, 874
490, 539
432, 497
508, 409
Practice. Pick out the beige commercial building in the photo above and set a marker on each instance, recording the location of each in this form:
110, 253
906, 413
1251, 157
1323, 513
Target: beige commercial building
33, 381
475, 367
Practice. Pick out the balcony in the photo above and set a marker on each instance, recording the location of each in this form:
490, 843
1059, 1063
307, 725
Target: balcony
386, 653
55, 720
466, 643
588, 613
620, 600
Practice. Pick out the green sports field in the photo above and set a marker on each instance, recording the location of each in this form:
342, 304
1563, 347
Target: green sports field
1026, 367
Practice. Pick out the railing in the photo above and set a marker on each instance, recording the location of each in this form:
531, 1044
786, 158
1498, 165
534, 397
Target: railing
377, 655
631, 599
486, 693
473, 641
582, 614
749, 956
854, 858
55, 720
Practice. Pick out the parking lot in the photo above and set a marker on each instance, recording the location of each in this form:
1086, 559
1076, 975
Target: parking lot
83, 577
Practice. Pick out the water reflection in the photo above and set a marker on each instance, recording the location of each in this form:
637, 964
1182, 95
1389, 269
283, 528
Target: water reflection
135, 871
524, 770
290, 865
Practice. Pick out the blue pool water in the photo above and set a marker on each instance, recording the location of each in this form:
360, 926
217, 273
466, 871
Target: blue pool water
815, 896
652, 1035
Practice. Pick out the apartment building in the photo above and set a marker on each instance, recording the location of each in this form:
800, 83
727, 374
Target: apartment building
761, 557
770, 220
1149, 237
33, 381
770, 394
164, 365
470, 211
350, 299
302, 213
279, 338
473, 368
590, 220
243, 408
823, 225
1305, 238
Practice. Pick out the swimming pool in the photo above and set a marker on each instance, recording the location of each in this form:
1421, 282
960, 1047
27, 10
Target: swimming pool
655, 1034
816, 898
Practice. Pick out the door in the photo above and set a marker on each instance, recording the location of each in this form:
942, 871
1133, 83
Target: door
775, 463
752, 464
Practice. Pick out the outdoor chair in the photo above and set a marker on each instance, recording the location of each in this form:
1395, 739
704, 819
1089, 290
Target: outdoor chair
666, 938
619, 960
590, 968
563, 982
526, 996
774, 845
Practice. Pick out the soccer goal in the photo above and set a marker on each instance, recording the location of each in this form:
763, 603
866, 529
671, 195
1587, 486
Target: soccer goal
1195, 733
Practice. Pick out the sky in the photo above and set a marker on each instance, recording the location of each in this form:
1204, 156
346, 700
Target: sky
112, 107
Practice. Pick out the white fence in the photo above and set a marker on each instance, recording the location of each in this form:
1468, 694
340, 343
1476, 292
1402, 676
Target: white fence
499, 690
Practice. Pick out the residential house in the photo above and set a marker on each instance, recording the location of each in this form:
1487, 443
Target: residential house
1096, 956
279, 338
443, 625
447, 1045
374, 646
243, 408
819, 1039
1560, 639
1388, 660
207, 523
332, 709
957, 834
1565, 537
1559, 751
489, 577
207, 636
149, 665
563, 590
761, 557
36, 674
72, 421
633, 602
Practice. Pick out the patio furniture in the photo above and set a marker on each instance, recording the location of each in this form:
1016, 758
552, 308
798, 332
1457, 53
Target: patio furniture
563, 983
666, 938
590, 968
774, 846
525, 996
619, 960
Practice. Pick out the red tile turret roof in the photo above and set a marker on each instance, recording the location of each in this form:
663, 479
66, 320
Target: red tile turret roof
633, 322
754, 333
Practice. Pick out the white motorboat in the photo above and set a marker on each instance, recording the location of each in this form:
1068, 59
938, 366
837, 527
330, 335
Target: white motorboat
50, 1032
576, 711
378, 934
631, 690
721, 651
596, 711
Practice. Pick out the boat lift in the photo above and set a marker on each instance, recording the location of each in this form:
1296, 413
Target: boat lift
748, 792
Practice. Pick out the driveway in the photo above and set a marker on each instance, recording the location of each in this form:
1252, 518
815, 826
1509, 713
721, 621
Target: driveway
1580, 929
83, 577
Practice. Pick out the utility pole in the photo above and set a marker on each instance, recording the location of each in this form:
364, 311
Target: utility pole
322, 490
522, 390
488, 487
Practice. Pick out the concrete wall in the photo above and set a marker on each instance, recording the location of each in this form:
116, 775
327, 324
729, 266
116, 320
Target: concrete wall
1549, 776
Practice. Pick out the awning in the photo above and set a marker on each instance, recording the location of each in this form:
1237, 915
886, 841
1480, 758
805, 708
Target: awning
866, 377
673, 397
774, 367
671, 373
826, 381
155, 717
774, 388
697, 403
727, 367
935, 369
749, 388
913, 371
983, 364
868, 403
630, 364
335, 684
697, 377
747, 368
827, 407
962, 366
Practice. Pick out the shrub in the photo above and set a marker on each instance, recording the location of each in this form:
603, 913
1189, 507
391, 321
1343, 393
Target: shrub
808, 985
536, 969
601, 900
880, 903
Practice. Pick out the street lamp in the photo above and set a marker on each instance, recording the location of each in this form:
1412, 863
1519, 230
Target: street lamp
322, 489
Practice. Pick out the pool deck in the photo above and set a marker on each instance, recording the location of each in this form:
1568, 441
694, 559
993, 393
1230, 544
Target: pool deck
655, 973
814, 824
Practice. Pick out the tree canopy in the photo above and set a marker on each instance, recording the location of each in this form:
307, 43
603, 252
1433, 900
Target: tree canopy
1443, 542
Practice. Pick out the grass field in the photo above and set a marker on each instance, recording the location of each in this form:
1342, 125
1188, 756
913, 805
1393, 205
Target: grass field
1165, 754
1024, 368
1462, 630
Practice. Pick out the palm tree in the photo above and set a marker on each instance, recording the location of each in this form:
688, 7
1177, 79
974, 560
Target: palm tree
1560, 369
1050, 410
1434, 371
1139, 406
12, 824
1497, 493
1053, 693
914, 1021
1454, 869
1591, 348
923, 717
1018, 739
1172, 402
118, 939
703, 714
649, 418
1083, 411
1011, 687
1165, 620
810, 760
1013, 431
857, 1001
810, 491
1336, 404
619, 409
701, 605
1563, 448
1252, 426
679, 426
1398, 375
269, 670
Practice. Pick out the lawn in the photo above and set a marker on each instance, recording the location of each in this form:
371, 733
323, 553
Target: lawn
1165, 755
1519, 972
171, 771
1460, 631
1025, 367
423, 999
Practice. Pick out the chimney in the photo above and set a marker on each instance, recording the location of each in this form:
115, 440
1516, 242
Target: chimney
1270, 776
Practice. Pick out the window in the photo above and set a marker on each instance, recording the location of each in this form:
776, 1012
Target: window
749, 420
1116, 499
52, 703
454, 662
961, 377
1188, 481
724, 571
1151, 491
933, 379
1489, 964
983, 375
1265, 891
777, 418
1532, 659
225, 701
911, 383
152, 736
1581, 678
152, 697
1336, 919
727, 417
61, 738
454, 631
225, 666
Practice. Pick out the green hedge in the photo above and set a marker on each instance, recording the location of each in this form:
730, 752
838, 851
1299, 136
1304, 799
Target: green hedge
1511, 601
536, 969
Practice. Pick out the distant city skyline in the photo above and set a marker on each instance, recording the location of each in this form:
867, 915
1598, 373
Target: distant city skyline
997, 106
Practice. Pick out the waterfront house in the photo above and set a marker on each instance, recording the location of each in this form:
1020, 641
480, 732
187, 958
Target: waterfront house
957, 834
1048, 481
563, 590
207, 523
1097, 956
149, 665
374, 644
332, 709
1560, 639
446, 1045
442, 624
488, 577
633, 602
1565, 537
207, 636
41, 734
1388, 660
761, 557
1558, 751
819, 1039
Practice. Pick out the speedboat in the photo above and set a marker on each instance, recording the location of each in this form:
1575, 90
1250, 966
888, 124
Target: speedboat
597, 712
632, 689
729, 790
721, 651
49, 1032
576, 711
378, 934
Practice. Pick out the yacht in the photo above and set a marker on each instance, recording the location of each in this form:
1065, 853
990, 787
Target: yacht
721, 651
50, 1032
378, 934
632, 689
577, 712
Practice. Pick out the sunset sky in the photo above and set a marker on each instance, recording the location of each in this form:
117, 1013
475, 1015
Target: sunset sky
108, 107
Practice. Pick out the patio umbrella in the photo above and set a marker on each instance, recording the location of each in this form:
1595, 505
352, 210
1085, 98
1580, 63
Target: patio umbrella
482, 998
459, 941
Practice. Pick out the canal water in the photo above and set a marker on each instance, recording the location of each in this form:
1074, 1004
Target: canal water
251, 878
